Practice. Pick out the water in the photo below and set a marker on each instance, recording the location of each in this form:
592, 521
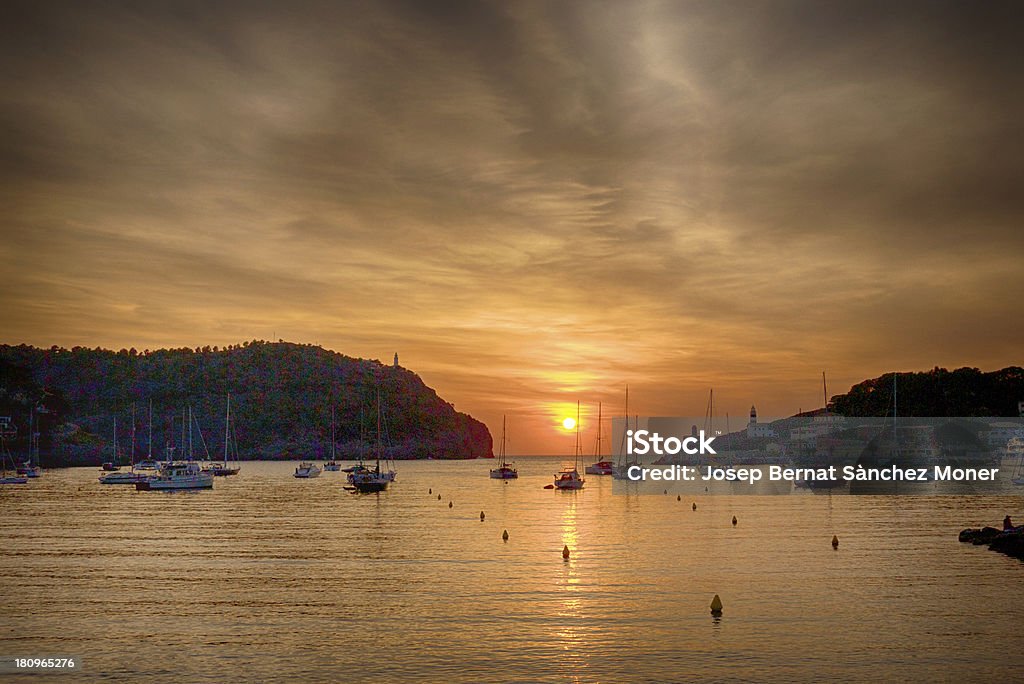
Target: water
272, 578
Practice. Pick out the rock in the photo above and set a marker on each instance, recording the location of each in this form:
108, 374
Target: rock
1011, 543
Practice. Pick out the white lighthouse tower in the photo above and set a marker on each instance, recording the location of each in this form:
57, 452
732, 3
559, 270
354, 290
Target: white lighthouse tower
396, 359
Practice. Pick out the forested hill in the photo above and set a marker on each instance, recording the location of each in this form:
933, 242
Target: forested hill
938, 392
281, 400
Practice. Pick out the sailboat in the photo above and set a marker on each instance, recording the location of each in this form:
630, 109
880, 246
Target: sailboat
625, 461
7, 431
570, 478
149, 463
332, 465
30, 468
600, 467
365, 480
505, 471
223, 469
112, 465
131, 477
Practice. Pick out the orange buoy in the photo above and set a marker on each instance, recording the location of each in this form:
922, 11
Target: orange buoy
438, 497
430, 491
450, 504
504, 536
734, 521
835, 542
694, 505
716, 606
679, 497
481, 516
565, 552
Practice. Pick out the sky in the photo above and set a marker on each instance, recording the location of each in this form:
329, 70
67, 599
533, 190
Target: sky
533, 203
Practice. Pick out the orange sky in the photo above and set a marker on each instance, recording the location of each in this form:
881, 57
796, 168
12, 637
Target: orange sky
533, 203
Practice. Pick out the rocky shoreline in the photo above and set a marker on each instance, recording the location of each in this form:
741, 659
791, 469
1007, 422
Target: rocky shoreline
1010, 542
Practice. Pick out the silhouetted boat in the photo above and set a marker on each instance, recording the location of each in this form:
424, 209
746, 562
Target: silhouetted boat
570, 478
505, 471
601, 467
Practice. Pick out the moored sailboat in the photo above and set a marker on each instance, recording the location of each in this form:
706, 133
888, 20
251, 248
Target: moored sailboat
332, 465
600, 466
366, 480
223, 469
505, 471
570, 478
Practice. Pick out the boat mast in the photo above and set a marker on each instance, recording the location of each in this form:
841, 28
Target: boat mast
332, 431
502, 441
114, 458
597, 456
227, 422
377, 449
133, 434
576, 456
149, 445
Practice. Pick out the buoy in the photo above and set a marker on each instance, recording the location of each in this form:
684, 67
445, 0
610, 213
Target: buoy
666, 491
430, 491
450, 504
835, 542
504, 535
734, 521
550, 486
565, 552
705, 489
716, 606
694, 505
438, 497
481, 516
679, 497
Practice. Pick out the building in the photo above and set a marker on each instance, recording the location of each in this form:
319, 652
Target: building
757, 430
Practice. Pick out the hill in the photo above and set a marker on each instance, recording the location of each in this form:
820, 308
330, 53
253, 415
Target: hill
281, 400
936, 393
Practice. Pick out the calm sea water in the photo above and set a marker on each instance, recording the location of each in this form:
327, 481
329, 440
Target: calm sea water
271, 578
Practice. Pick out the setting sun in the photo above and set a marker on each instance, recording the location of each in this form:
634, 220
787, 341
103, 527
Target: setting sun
569, 423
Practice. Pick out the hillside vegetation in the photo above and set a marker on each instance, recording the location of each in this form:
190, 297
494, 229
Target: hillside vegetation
281, 400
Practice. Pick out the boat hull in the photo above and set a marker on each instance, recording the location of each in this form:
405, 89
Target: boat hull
123, 478
504, 474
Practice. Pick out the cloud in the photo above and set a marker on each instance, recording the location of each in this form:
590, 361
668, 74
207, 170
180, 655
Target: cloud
533, 202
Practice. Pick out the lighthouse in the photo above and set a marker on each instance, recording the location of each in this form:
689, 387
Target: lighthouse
396, 359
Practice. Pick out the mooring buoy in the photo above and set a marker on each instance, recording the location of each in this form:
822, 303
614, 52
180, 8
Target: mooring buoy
450, 504
679, 497
734, 521
716, 606
835, 542
565, 552
430, 491
694, 505
504, 535
481, 516
438, 497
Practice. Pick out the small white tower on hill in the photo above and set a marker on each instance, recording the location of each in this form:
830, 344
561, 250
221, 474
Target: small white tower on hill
396, 359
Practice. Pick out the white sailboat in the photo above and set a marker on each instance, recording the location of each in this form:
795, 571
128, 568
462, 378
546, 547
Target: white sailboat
31, 468
505, 471
149, 463
130, 477
224, 469
570, 478
332, 465
624, 461
600, 466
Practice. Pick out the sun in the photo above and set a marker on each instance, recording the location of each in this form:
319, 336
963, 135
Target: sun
569, 423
